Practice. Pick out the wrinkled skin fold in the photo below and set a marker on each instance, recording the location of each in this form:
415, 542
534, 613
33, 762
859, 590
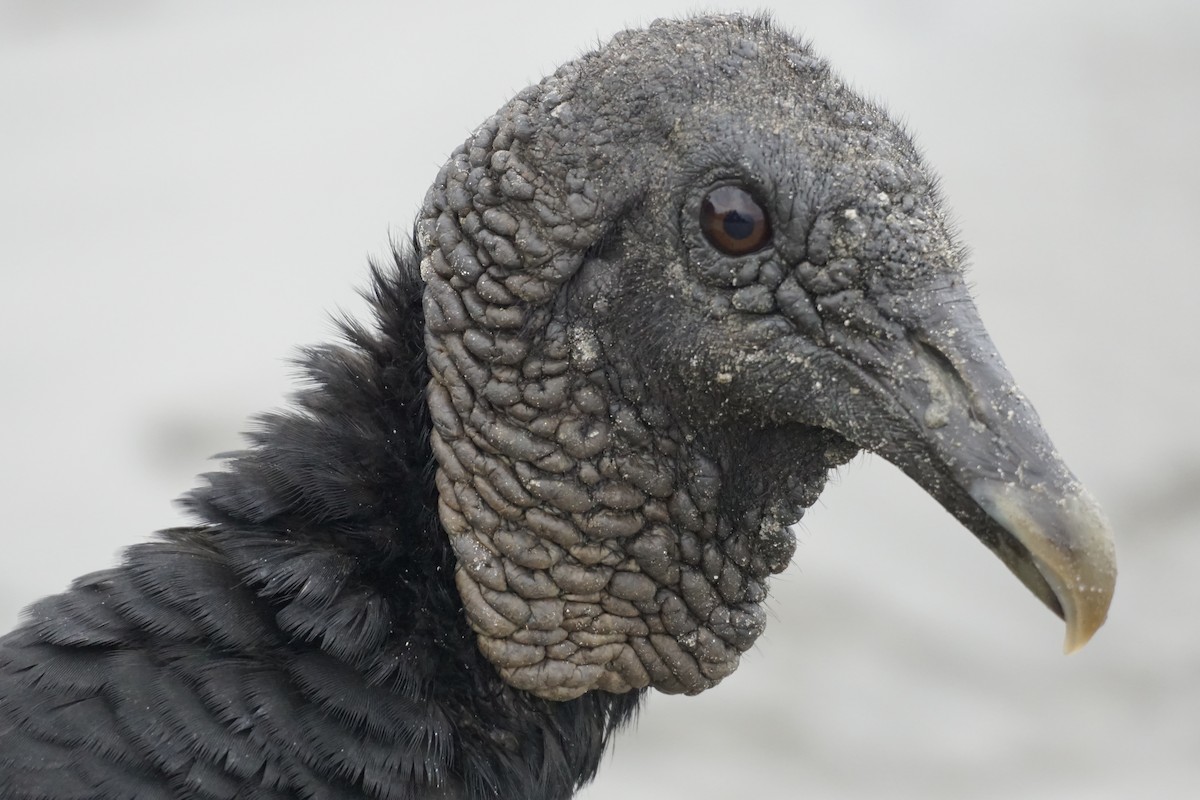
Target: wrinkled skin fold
628, 419
558, 466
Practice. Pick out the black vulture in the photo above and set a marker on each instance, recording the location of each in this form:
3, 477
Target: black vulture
648, 306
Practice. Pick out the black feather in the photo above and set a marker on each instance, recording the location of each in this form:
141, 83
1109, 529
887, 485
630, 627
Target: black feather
305, 640
562, 463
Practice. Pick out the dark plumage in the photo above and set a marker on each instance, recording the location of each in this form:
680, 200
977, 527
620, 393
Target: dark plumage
648, 306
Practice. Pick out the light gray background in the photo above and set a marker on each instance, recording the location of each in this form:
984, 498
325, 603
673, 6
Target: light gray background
186, 192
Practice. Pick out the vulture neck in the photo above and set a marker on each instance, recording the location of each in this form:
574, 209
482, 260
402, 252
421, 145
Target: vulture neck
329, 517
603, 542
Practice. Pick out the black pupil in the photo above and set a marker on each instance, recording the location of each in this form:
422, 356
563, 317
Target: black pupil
733, 221
738, 225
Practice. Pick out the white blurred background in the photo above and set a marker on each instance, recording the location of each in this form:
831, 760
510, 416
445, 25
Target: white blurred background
188, 190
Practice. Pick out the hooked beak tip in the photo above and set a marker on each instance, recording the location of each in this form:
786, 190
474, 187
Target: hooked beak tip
1070, 545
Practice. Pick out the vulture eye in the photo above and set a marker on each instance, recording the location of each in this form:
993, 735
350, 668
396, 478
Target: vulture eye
733, 221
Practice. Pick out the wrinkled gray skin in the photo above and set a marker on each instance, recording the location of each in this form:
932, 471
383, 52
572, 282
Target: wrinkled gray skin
627, 420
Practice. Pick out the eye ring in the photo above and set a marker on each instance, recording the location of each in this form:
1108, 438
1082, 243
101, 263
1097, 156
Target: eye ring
733, 222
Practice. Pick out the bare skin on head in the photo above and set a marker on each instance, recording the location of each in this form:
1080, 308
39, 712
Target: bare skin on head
651, 303
667, 289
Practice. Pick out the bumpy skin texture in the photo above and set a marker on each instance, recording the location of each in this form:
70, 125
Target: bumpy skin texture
306, 640
560, 467
615, 477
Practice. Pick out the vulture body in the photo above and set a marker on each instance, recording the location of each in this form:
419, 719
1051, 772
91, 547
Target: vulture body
647, 307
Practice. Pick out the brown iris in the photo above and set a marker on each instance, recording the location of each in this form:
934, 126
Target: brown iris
733, 221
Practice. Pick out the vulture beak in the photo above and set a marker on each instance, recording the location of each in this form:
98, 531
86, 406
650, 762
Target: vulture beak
955, 422
1068, 561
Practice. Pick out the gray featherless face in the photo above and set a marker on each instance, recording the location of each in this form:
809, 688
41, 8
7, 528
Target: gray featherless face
667, 290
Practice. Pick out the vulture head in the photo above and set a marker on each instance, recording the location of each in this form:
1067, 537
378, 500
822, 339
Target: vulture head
666, 291
653, 301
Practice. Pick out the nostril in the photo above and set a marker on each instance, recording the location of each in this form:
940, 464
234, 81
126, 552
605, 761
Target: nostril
946, 386
937, 357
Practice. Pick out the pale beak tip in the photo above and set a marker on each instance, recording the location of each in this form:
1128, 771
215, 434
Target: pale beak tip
1086, 613
1069, 547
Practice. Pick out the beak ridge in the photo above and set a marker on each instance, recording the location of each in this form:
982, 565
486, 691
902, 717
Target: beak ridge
939, 403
